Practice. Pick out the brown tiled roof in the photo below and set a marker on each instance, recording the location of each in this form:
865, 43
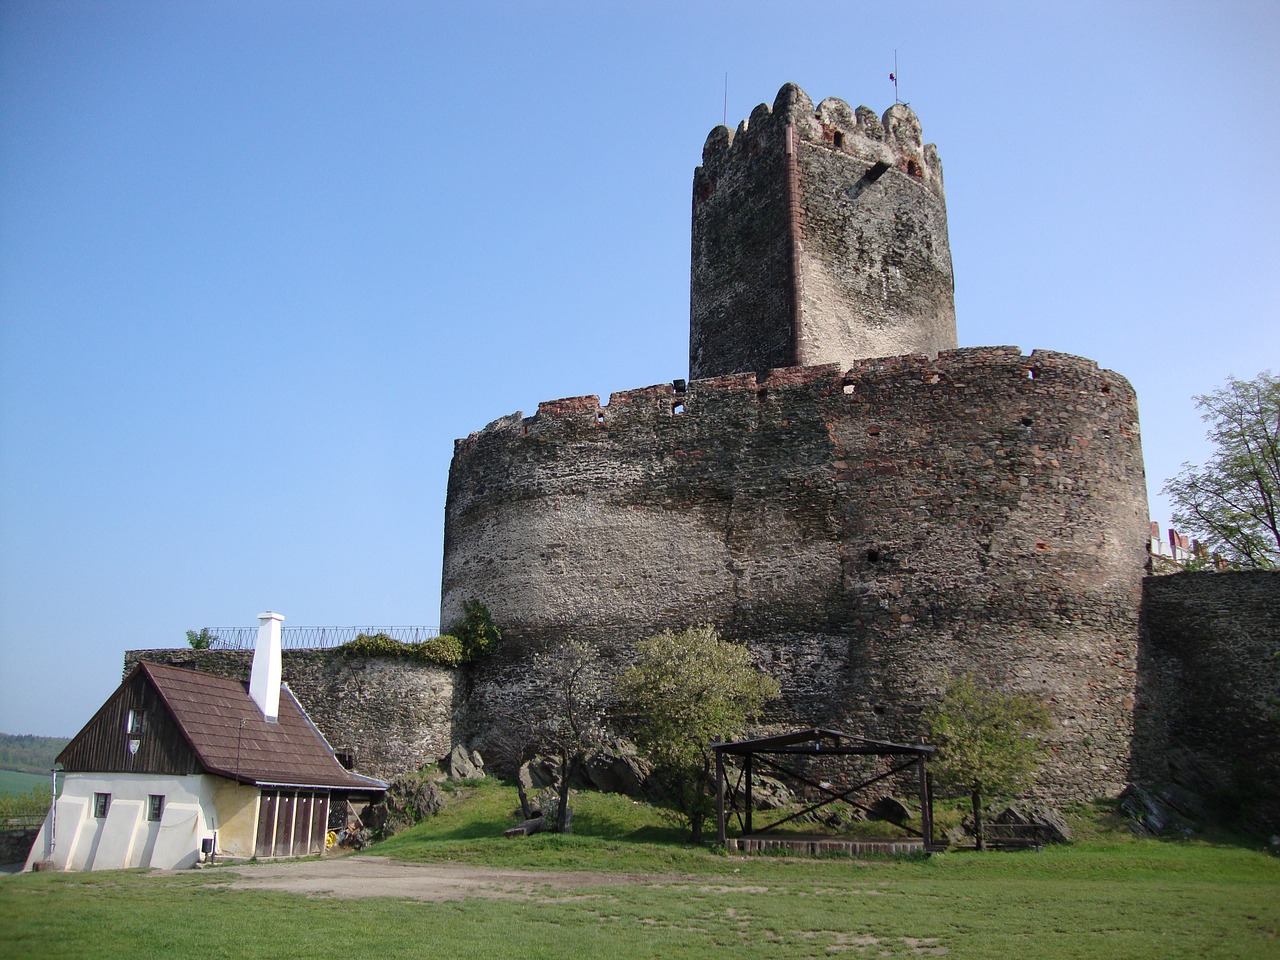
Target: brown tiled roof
232, 739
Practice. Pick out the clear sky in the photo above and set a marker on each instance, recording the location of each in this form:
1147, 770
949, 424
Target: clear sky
262, 262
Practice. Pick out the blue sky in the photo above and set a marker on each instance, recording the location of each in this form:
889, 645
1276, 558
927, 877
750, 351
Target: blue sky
262, 262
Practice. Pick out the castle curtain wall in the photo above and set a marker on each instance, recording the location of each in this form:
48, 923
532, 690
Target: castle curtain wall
869, 532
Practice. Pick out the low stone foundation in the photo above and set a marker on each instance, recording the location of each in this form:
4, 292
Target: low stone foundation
15, 845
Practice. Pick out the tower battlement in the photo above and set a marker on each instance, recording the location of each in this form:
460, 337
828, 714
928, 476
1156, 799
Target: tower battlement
895, 139
819, 236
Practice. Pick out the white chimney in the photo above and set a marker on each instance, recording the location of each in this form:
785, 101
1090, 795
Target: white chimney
264, 679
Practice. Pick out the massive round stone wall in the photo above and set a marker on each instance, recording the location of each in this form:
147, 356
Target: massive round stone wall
869, 532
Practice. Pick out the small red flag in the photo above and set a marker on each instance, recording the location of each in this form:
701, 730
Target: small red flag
893, 78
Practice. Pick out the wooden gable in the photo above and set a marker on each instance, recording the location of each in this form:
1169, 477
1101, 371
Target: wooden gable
134, 714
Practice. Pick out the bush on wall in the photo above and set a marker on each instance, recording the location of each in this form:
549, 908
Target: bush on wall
444, 650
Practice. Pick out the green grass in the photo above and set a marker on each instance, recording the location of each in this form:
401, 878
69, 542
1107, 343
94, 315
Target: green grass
1109, 896
13, 783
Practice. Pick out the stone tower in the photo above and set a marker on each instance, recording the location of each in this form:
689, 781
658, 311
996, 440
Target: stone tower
819, 236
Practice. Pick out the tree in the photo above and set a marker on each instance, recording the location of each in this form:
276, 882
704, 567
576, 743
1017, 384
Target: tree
988, 741
567, 712
1232, 503
685, 691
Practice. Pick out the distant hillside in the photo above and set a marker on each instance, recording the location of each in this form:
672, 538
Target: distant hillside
29, 754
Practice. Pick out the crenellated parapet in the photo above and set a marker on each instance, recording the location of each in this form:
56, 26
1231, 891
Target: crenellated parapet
1047, 370
894, 140
819, 236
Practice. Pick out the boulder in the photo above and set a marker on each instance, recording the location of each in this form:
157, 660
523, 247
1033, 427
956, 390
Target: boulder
461, 766
1049, 823
766, 793
1147, 814
611, 772
889, 809
537, 773
407, 801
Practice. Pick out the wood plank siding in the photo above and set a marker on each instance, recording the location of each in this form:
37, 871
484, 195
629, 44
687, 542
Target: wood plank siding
292, 823
104, 743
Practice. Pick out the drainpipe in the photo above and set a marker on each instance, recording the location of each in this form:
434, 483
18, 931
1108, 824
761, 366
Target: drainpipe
53, 808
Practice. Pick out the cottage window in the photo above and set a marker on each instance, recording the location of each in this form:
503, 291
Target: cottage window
155, 809
137, 722
101, 803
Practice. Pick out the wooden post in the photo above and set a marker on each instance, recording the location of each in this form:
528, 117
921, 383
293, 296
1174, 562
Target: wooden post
926, 804
720, 825
747, 767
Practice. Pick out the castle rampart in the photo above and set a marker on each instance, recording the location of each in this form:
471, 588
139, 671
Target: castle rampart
1208, 716
819, 236
868, 531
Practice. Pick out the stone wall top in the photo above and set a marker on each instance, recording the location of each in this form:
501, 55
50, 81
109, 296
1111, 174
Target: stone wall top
894, 138
665, 400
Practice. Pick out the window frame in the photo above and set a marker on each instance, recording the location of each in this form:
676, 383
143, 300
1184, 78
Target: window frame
155, 807
101, 805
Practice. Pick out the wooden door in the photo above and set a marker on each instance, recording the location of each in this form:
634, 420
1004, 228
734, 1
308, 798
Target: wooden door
302, 826
266, 823
284, 824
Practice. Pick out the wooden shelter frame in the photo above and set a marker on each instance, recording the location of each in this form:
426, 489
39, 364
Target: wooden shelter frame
817, 742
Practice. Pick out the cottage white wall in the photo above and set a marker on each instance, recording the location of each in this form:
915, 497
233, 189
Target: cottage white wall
237, 818
125, 838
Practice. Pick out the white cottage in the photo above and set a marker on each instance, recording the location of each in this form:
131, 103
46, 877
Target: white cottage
178, 763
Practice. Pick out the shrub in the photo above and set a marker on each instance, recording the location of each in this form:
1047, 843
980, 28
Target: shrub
202, 640
480, 636
444, 650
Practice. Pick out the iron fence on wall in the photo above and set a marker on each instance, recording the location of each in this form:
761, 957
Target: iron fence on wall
312, 638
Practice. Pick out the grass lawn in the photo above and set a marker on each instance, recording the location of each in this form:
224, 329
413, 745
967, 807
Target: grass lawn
1107, 896
13, 782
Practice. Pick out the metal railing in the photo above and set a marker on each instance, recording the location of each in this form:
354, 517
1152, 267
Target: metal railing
312, 638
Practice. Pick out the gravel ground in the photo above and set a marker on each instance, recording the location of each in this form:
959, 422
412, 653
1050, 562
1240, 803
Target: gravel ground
362, 876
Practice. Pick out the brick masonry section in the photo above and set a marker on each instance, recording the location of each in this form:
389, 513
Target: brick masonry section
869, 532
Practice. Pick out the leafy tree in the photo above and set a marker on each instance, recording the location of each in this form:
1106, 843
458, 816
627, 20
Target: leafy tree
480, 636
1232, 503
686, 691
567, 712
989, 741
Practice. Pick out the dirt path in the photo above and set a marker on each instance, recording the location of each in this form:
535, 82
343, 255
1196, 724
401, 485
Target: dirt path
360, 876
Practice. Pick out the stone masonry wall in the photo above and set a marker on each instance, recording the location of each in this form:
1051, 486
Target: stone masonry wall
1208, 713
868, 532
819, 236
396, 716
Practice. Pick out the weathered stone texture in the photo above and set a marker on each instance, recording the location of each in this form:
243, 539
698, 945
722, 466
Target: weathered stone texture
394, 716
819, 236
1208, 713
869, 532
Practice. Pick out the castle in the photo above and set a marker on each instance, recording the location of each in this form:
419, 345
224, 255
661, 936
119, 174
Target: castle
870, 508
